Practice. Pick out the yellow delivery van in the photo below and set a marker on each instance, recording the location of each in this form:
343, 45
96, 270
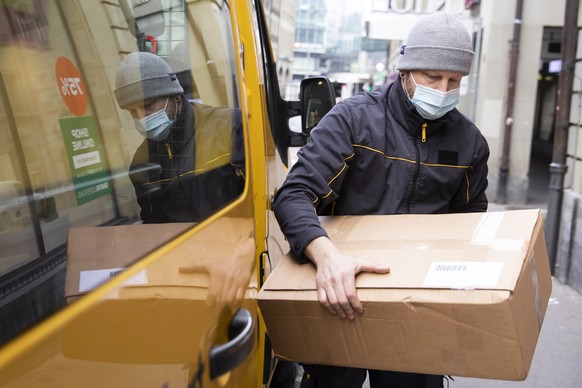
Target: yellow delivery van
92, 292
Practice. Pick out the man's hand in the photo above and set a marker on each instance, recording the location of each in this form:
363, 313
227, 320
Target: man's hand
336, 277
229, 268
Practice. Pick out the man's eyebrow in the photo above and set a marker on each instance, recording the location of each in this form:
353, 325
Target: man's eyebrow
150, 101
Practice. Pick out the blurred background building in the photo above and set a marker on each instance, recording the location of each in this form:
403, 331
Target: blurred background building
281, 19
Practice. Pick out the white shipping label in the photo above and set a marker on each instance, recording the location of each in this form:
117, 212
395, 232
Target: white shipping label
86, 159
463, 274
91, 279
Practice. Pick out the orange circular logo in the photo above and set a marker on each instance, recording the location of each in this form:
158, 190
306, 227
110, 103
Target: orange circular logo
71, 86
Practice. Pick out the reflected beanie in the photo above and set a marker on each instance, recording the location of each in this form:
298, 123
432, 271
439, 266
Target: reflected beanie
143, 75
437, 42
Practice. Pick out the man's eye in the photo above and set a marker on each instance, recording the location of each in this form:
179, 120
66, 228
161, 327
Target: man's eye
149, 103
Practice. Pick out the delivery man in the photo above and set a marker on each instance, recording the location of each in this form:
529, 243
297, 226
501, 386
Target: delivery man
191, 162
401, 149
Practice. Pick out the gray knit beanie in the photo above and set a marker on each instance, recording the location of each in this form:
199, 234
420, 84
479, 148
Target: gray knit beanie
143, 75
437, 42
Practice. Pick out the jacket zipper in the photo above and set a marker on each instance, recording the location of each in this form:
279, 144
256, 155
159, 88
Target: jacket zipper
417, 169
170, 156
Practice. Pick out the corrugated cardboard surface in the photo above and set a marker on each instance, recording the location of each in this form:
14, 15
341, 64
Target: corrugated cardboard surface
484, 323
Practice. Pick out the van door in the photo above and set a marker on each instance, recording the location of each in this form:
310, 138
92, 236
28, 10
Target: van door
156, 241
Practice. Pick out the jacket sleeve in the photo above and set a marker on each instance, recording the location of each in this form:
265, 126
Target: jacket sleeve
315, 179
471, 196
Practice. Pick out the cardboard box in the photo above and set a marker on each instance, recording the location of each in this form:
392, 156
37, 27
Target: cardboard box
466, 296
95, 254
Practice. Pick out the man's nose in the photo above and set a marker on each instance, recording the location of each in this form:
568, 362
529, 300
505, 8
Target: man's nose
442, 85
138, 113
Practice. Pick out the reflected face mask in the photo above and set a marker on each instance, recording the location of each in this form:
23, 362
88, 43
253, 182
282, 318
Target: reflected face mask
155, 126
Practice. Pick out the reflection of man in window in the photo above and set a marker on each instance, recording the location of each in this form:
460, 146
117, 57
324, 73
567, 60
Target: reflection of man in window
192, 161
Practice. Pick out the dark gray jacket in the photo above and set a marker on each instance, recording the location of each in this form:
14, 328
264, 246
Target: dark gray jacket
368, 155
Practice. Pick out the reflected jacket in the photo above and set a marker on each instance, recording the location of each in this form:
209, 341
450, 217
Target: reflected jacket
374, 154
197, 170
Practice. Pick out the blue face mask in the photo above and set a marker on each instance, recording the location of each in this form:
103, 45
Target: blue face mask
432, 104
155, 126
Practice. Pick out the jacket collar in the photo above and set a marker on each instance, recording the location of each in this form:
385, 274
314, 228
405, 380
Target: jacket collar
180, 130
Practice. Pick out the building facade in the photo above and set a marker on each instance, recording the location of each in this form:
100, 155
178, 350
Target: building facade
281, 20
309, 38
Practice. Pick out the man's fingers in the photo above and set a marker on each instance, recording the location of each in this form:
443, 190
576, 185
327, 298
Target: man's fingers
370, 266
336, 284
335, 300
347, 310
344, 304
352, 299
323, 300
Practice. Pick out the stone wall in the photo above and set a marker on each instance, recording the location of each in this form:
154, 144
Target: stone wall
568, 268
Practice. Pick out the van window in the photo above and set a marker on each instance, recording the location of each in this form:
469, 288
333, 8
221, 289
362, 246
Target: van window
71, 157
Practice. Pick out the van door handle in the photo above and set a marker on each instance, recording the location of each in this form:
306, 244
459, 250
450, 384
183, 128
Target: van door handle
226, 357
